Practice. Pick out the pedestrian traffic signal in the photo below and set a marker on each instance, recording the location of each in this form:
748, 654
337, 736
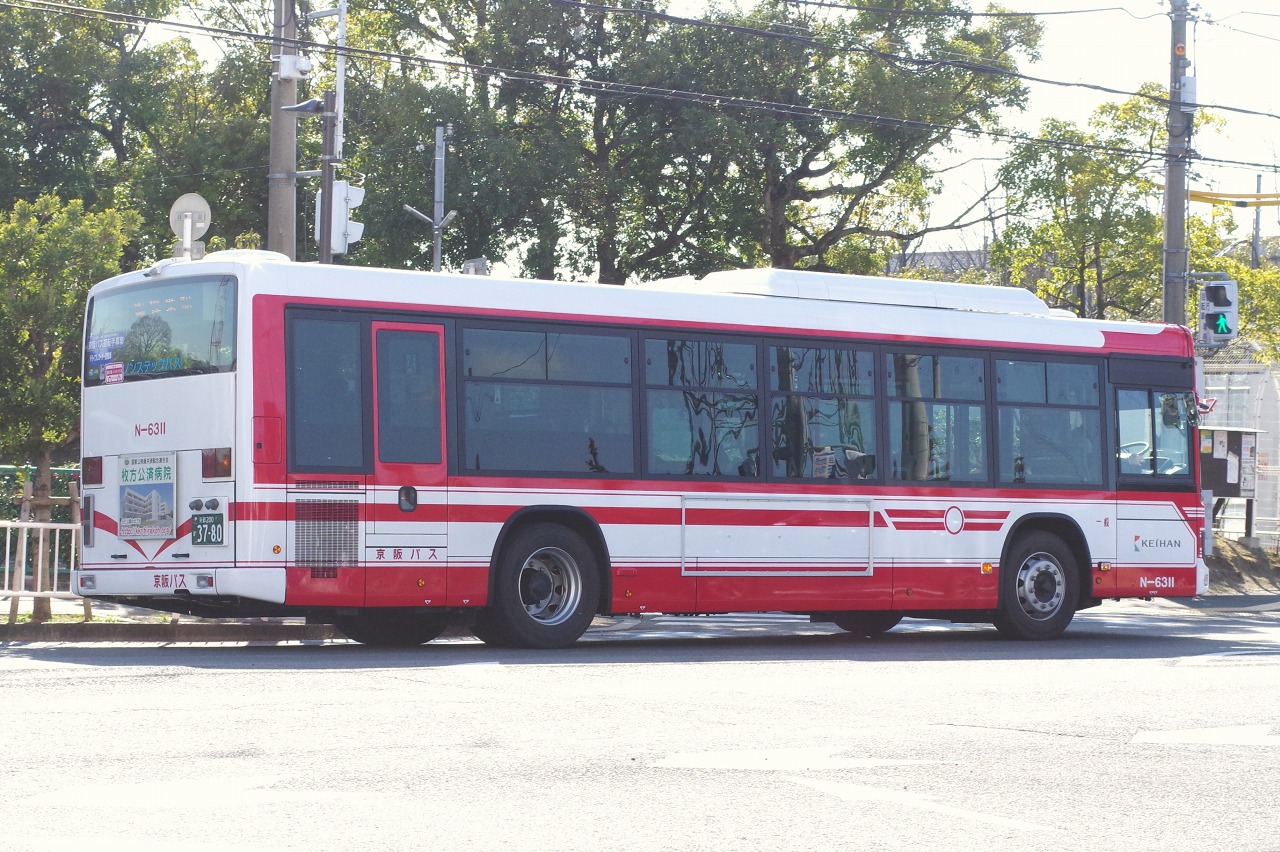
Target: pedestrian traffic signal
1219, 311
345, 198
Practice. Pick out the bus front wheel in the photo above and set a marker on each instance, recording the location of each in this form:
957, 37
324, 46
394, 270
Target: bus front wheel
391, 628
1038, 588
546, 588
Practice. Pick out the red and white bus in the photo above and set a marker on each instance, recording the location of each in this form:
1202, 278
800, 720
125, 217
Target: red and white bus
395, 452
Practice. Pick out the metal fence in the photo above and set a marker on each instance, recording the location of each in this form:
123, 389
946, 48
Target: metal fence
39, 555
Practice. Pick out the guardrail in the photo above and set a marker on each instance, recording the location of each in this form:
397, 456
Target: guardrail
37, 562
39, 555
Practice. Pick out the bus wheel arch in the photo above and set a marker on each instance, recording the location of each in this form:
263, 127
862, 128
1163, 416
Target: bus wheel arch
548, 579
1044, 578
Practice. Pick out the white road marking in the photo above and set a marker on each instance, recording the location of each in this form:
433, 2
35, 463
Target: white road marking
784, 759
1250, 735
860, 793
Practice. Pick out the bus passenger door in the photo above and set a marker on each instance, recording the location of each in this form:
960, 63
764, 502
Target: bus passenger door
405, 544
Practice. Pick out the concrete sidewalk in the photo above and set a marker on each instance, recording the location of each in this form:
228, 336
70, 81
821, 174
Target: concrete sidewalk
116, 623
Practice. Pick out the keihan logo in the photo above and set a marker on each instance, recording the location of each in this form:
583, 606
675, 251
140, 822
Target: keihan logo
1140, 543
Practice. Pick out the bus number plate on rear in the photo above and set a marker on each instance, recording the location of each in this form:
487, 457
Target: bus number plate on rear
208, 529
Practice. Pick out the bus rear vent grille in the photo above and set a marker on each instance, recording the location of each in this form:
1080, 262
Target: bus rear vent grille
326, 536
325, 485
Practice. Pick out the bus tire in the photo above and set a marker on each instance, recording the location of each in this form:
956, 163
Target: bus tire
391, 628
546, 588
1038, 594
867, 624
488, 629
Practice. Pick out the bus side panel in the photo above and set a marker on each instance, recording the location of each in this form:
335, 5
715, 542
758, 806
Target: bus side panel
943, 584
645, 560
1157, 547
333, 587
789, 552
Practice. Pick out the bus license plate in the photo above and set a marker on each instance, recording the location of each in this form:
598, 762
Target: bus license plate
207, 529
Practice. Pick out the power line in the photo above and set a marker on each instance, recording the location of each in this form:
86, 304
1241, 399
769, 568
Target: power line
607, 88
965, 13
961, 64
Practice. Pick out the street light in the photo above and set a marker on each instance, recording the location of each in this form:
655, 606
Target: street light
437, 229
328, 113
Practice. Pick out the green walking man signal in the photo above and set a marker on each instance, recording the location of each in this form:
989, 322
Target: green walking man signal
1219, 312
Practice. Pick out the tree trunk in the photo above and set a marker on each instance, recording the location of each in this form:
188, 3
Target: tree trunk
42, 512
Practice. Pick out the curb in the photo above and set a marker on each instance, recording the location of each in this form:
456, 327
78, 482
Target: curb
95, 631
217, 631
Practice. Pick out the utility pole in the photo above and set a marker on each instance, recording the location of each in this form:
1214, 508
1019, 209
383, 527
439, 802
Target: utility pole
1255, 256
442, 219
443, 132
328, 160
282, 182
1181, 106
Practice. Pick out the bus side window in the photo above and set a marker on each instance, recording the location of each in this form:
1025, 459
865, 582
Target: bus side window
1136, 440
1155, 433
326, 394
408, 397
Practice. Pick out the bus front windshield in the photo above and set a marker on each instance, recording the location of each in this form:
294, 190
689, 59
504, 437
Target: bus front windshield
157, 330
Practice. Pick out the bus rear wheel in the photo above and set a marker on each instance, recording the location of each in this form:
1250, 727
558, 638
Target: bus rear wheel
546, 589
867, 624
391, 628
1038, 592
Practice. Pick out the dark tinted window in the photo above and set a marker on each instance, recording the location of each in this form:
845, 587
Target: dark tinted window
703, 412
326, 394
935, 376
930, 438
408, 396
1050, 425
547, 401
556, 356
820, 427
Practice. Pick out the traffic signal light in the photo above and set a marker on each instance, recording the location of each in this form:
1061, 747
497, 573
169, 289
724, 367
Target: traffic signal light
345, 232
1219, 311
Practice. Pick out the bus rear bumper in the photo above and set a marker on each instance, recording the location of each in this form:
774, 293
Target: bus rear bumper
262, 584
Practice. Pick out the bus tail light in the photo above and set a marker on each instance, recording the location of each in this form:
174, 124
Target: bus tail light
91, 470
215, 464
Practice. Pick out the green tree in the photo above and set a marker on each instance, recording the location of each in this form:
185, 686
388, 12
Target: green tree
209, 135
1085, 231
873, 95
74, 88
50, 254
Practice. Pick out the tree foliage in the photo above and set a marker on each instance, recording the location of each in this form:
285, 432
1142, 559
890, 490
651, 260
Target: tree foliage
1084, 229
51, 252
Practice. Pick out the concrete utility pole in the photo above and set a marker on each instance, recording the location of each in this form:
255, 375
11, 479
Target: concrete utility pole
282, 182
1181, 107
443, 132
1255, 254
328, 161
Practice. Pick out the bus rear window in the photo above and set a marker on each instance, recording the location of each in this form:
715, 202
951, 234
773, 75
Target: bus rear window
156, 330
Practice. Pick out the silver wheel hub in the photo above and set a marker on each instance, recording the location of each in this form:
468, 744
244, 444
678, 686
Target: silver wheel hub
550, 585
1041, 586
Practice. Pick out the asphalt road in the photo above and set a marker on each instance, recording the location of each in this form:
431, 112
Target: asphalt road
1147, 727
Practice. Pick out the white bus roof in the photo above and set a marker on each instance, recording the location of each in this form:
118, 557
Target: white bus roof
786, 300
